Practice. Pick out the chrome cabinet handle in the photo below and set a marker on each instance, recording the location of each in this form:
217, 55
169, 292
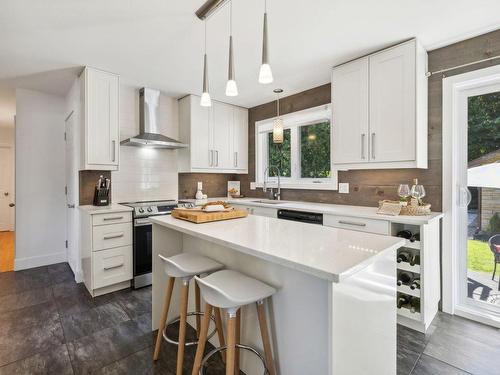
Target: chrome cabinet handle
217, 158
113, 218
352, 223
112, 267
373, 145
113, 236
114, 149
363, 146
236, 158
210, 158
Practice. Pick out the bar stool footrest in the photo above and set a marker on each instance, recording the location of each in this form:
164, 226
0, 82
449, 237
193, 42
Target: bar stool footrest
239, 346
177, 319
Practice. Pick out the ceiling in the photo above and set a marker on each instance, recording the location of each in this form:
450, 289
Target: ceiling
158, 43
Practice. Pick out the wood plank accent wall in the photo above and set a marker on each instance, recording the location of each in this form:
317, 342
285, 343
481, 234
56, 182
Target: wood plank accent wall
367, 187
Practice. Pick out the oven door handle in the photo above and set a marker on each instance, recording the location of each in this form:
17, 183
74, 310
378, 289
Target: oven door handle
141, 222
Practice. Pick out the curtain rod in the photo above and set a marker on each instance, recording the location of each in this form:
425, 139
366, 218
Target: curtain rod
462, 66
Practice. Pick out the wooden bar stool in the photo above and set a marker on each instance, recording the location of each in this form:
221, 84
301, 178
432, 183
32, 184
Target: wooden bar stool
231, 290
185, 266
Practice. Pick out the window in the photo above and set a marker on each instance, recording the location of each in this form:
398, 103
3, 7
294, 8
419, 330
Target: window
303, 160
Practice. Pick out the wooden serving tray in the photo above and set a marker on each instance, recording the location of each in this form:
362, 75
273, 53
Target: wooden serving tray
198, 216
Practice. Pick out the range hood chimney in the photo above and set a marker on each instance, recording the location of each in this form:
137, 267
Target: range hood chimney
149, 124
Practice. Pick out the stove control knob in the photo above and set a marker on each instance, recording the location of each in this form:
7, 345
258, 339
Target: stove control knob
141, 210
150, 209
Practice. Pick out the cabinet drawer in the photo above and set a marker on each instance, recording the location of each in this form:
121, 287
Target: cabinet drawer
111, 218
355, 223
112, 266
109, 236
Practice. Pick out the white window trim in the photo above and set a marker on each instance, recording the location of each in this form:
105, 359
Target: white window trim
292, 121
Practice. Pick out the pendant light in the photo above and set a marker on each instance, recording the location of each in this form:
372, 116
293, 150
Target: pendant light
231, 87
278, 122
265, 74
205, 100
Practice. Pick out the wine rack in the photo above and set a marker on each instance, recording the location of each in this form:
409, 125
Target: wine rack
424, 300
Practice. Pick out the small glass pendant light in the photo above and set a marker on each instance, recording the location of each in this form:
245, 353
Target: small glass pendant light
278, 122
205, 100
231, 87
265, 73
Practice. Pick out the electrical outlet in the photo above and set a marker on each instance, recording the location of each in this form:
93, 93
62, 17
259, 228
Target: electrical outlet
252, 186
200, 185
344, 187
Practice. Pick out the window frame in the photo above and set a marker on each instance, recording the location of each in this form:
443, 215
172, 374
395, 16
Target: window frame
294, 121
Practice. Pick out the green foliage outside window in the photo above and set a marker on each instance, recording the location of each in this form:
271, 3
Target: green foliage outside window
315, 151
280, 155
484, 124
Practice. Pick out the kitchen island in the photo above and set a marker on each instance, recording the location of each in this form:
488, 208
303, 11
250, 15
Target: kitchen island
335, 309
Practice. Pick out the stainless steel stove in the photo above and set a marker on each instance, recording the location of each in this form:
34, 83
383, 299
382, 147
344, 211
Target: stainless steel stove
143, 242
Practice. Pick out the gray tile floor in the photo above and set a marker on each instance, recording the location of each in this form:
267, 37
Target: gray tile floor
50, 325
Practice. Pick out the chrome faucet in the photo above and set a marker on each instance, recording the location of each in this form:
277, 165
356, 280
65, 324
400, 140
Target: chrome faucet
272, 195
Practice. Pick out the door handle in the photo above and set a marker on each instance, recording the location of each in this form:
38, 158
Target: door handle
210, 158
112, 218
236, 158
217, 158
113, 236
363, 146
6, 193
464, 197
373, 145
71, 205
12, 204
114, 149
112, 267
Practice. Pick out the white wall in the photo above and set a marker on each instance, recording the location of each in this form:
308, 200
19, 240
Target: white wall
40, 180
145, 174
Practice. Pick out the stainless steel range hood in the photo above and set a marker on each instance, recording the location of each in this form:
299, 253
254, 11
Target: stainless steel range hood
149, 124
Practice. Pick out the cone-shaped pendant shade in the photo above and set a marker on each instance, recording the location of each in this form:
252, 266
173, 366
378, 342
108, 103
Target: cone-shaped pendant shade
265, 74
205, 100
231, 87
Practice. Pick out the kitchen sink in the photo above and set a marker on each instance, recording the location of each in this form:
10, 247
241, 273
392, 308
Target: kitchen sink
268, 202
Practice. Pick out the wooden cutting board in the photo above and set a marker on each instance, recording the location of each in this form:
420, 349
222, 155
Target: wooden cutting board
197, 216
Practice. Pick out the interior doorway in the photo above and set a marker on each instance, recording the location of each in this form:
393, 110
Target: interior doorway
7, 197
471, 195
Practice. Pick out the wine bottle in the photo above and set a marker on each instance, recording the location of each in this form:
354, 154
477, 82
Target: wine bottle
403, 256
405, 278
403, 300
415, 284
415, 259
414, 305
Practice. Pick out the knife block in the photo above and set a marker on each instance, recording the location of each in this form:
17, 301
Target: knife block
101, 197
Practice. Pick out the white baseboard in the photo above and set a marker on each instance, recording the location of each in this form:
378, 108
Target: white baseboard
38, 261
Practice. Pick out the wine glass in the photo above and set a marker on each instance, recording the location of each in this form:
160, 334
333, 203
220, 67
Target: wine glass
418, 192
403, 191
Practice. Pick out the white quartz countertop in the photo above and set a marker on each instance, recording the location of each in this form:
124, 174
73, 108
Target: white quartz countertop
329, 253
335, 209
105, 209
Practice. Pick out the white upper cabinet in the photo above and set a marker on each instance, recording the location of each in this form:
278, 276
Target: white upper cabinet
217, 137
350, 108
100, 120
239, 153
380, 110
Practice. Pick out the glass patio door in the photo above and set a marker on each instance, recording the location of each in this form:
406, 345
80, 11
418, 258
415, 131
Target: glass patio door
478, 166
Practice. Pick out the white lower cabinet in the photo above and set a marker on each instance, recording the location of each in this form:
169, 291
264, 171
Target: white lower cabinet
112, 266
106, 247
359, 224
259, 211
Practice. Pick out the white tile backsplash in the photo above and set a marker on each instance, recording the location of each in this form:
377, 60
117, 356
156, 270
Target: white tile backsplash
145, 173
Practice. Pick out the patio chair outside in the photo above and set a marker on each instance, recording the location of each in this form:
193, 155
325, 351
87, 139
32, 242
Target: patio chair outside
494, 243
